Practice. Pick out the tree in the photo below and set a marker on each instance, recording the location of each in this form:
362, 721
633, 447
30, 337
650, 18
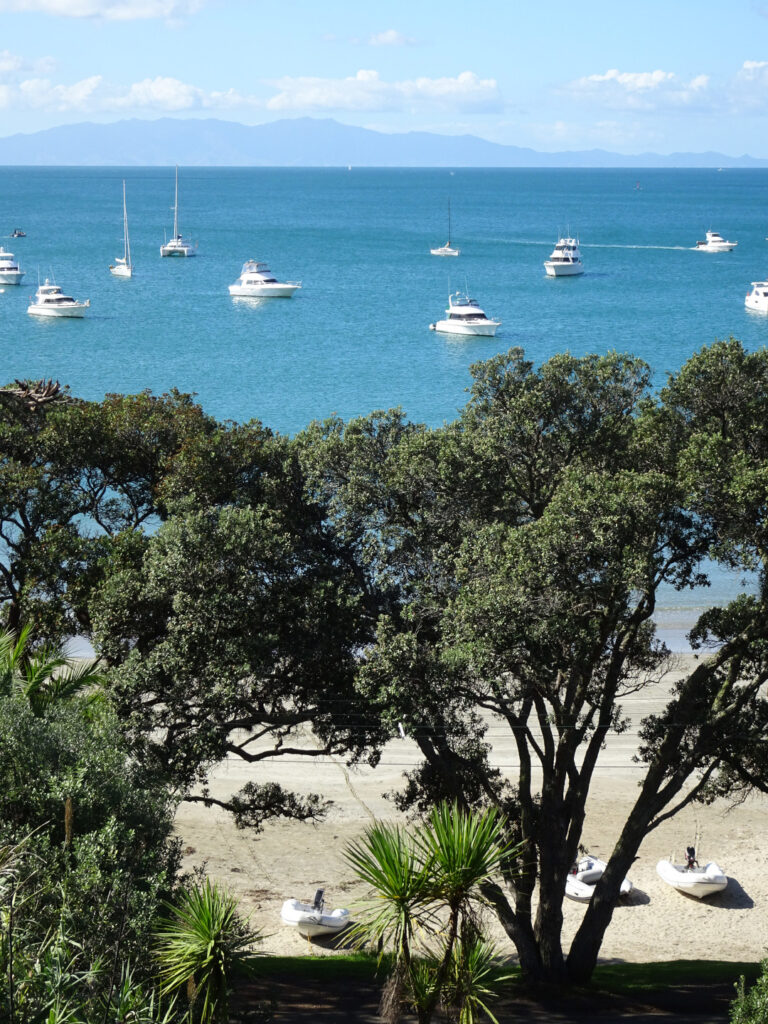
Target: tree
418, 878
253, 652
79, 481
520, 551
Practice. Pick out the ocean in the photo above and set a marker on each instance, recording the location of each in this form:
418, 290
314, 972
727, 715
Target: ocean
356, 337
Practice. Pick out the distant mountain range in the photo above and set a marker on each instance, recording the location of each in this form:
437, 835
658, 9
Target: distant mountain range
304, 142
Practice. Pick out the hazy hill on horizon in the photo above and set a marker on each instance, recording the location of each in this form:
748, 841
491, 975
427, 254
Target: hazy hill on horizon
304, 142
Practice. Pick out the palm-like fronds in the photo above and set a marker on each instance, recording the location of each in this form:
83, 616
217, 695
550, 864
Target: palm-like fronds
201, 945
475, 978
464, 848
394, 867
46, 675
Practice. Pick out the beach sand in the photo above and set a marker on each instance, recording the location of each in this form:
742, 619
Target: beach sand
655, 923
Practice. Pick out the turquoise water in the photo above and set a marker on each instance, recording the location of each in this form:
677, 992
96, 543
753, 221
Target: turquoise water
356, 337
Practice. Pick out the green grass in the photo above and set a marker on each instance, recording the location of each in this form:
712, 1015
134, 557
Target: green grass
629, 979
619, 979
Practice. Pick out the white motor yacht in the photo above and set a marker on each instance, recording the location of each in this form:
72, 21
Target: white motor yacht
715, 242
257, 281
447, 249
464, 316
757, 299
177, 246
10, 272
51, 301
122, 267
565, 260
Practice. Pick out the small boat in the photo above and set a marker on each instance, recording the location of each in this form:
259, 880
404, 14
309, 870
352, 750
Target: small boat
177, 245
51, 301
122, 267
583, 878
565, 260
715, 242
464, 316
447, 249
257, 281
18, 233
757, 299
311, 919
691, 879
10, 272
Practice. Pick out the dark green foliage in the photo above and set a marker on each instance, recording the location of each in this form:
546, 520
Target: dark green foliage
751, 1004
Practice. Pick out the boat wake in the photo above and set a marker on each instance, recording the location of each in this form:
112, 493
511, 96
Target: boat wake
599, 245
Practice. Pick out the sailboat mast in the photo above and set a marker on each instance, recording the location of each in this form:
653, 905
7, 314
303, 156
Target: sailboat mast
449, 222
126, 240
176, 206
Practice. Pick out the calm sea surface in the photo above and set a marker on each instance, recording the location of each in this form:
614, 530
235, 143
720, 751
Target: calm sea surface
356, 337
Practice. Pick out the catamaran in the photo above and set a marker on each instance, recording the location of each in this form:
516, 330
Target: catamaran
177, 245
122, 267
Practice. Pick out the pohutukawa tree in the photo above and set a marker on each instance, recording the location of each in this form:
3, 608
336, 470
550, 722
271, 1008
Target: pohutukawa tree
521, 550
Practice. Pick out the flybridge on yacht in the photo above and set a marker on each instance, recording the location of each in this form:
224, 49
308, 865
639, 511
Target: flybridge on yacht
464, 316
565, 260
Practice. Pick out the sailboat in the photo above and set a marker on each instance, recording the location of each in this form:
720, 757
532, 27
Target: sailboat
177, 245
122, 267
447, 249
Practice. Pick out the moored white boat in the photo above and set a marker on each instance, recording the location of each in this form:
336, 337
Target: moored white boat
10, 272
757, 299
50, 300
714, 242
122, 267
447, 249
583, 878
257, 281
565, 260
691, 879
177, 246
311, 919
464, 316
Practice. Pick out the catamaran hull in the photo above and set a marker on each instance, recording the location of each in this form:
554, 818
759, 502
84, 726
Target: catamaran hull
184, 250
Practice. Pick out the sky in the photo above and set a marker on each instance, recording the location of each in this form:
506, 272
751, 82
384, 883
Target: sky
650, 75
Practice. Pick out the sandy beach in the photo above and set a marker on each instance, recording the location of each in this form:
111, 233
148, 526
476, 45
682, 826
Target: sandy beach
656, 923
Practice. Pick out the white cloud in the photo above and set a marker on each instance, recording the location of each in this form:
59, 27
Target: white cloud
11, 64
96, 95
110, 10
41, 94
640, 90
390, 38
368, 91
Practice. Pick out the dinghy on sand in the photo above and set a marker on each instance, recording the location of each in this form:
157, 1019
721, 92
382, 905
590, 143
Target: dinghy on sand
690, 878
584, 876
311, 919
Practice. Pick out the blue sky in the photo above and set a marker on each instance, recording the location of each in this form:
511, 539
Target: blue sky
568, 74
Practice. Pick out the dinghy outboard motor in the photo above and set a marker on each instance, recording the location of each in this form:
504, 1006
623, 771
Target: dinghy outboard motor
690, 858
318, 901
